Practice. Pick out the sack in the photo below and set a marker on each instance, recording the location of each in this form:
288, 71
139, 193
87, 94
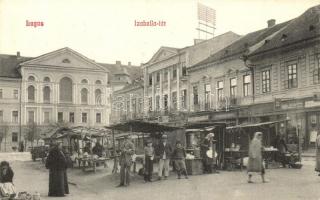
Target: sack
7, 189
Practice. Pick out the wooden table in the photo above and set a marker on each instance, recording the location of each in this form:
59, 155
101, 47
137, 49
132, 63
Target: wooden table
232, 155
269, 155
194, 166
91, 163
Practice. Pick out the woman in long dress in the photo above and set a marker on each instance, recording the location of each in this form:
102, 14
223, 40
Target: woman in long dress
255, 157
318, 154
57, 165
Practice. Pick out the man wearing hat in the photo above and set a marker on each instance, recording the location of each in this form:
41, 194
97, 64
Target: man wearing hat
208, 153
149, 154
127, 150
164, 151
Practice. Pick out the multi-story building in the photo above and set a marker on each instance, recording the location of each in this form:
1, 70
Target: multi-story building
166, 80
62, 86
267, 75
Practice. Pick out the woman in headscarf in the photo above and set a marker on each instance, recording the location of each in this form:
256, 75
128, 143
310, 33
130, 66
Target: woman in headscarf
57, 165
318, 154
6, 176
255, 157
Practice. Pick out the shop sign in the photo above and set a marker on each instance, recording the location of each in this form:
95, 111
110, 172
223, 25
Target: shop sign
309, 104
198, 118
292, 105
226, 115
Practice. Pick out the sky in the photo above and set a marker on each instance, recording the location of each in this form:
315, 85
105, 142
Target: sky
105, 31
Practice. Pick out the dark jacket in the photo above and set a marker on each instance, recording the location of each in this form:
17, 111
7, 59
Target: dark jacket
7, 178
179, 153
97, 150
161, 149
56, 160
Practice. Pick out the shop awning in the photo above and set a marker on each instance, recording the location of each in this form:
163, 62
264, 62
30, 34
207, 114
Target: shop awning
142, 127
254, 125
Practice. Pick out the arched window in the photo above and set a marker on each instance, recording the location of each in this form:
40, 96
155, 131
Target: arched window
31, 93
84, 81
84, 96
46, 94
31, 78
97, 95
66, 90
98, 82
46, 79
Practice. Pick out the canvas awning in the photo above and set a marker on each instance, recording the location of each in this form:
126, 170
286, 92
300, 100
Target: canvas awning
142, 127
254, 125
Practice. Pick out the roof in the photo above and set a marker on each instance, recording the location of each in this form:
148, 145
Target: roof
242, 45
134, 72
254, 125
138, 83
9, 65
141, 126
296, 30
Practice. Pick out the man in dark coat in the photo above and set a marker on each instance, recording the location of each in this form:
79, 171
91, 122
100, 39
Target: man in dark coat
163, 152
57, 165
98, 149
127, 150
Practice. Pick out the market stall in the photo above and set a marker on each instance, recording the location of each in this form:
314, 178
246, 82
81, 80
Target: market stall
195, 134
237, 140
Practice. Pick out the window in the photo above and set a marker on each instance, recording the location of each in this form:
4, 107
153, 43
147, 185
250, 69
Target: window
84, 96
98, 118
31, 93
220, 90
46, 94
84, 81
165, 101
233, 87
184, 99
65, 90
316, 72
150, 79
266, 85
150, 103
14, 137
71, 117
46, 117
1, 115
207, 93
174, 100
46, 79
97, 95
195, 95
184, 69
84, 117
157, 103
98, 82
1, 94
246, 85
60, 117
292, 76
15, 94
31, 78
158, 77
174, 73
15, 116
31, 116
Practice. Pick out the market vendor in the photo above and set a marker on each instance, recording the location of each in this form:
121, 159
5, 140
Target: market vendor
87, 148
208, 151
98, 149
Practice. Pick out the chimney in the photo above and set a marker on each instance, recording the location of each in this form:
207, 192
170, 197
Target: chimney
118, 63
129, 64
271, 22
18, 54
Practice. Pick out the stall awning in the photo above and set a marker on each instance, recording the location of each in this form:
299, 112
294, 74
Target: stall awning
254, 125
142, 127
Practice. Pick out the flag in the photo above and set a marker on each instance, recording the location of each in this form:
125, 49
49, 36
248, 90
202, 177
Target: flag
206, 14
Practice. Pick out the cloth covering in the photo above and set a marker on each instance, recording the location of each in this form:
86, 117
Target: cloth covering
255, 155
7, 189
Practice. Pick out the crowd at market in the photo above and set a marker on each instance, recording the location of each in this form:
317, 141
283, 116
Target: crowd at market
163, 153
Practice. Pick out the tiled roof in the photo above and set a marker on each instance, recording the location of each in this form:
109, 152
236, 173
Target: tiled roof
242, 45
138, 83
304, 27
133, 72
9, 65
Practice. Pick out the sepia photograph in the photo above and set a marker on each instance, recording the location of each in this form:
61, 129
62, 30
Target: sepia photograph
160, 100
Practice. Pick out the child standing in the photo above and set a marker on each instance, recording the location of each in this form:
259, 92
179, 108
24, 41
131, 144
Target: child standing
149, 154
179, 156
